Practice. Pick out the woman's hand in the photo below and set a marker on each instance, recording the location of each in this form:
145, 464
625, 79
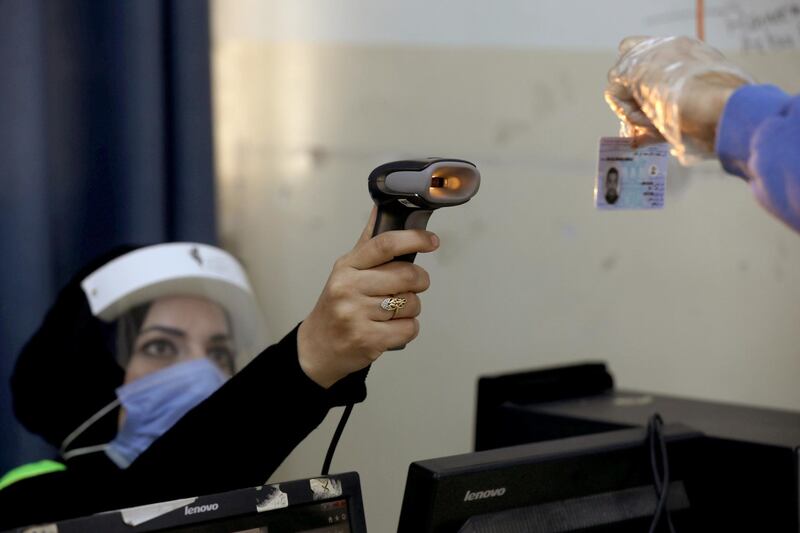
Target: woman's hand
348, 330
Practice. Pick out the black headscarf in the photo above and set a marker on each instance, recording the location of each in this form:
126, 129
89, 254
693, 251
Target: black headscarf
67, 371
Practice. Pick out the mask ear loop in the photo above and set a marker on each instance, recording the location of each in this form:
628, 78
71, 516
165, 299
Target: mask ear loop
83, 427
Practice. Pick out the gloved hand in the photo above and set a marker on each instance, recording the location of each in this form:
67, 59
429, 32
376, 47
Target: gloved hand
673, 88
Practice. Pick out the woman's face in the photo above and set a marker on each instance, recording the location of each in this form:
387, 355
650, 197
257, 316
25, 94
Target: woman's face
612, 186
612, 180
178, 329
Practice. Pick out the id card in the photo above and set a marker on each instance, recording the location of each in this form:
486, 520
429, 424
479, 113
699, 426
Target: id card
628, 177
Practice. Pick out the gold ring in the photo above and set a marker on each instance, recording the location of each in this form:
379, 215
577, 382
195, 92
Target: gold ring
393, 304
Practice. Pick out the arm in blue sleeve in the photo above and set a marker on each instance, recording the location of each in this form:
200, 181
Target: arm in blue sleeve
758, 138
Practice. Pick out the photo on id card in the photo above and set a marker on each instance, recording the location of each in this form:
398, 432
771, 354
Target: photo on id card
630, 177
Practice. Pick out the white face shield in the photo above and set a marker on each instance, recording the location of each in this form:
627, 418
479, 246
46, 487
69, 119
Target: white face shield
178, 289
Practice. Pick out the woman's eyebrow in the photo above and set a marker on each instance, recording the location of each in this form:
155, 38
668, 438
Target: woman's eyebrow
165, 329
220, 337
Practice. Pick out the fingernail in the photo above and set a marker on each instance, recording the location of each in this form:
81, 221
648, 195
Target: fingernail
434, 240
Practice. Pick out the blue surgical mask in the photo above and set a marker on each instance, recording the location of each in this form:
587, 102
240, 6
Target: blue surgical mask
156, 401
153, 404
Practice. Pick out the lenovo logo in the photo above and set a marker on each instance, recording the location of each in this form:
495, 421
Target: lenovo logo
483, 494
200, 509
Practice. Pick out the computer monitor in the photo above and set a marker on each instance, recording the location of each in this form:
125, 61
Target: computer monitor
330, 504
601, 482
753, 452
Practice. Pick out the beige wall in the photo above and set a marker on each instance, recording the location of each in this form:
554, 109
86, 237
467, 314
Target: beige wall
701, 299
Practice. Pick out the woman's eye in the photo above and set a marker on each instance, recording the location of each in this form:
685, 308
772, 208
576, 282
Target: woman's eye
159, 348
223, 357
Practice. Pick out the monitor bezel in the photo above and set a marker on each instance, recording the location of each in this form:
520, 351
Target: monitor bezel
229, 505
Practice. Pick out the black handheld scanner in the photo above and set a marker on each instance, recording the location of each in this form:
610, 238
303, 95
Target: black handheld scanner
407, 192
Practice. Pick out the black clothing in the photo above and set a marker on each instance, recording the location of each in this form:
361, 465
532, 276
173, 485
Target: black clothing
236, 438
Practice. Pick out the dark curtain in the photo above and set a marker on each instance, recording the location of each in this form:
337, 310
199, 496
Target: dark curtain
105, 139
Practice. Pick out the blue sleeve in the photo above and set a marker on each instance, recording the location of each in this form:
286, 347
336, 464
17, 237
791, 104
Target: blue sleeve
758, 138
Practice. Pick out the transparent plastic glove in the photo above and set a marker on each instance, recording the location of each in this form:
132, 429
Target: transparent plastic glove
673, 88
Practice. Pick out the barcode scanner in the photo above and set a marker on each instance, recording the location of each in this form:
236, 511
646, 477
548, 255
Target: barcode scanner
407, 192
